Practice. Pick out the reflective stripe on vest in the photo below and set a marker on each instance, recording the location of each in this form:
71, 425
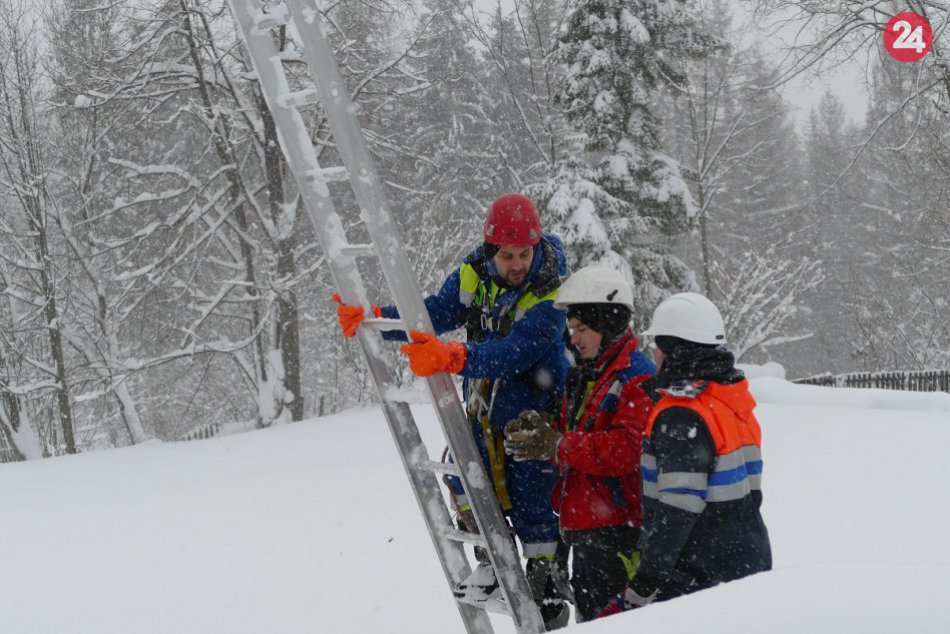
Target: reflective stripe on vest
472, 293
738, 440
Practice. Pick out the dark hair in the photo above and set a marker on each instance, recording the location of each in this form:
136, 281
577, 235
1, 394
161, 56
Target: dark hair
669, 343
608, 319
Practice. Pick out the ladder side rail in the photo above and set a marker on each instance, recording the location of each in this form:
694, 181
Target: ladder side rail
347, 131
292, 135
425, 485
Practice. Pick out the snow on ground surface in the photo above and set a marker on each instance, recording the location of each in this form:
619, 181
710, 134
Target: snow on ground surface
312, 528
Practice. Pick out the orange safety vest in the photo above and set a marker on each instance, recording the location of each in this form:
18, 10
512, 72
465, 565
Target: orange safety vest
727, 411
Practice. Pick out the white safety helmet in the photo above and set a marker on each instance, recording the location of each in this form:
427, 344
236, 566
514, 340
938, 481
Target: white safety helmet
689, 316
595, 285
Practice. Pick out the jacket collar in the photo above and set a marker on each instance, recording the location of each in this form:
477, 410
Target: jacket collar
615, 356
547, 267
707, 363
614, 359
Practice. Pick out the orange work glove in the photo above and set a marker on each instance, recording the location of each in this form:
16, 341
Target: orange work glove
352, 316
428, 355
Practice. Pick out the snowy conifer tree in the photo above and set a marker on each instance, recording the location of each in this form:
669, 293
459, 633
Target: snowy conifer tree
898, 296
452, 169
614, 196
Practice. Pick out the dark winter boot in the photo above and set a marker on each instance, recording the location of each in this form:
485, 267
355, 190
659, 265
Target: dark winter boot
547, 578
481, 583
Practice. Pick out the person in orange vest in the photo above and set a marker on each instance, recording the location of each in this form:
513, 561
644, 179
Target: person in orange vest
701, 462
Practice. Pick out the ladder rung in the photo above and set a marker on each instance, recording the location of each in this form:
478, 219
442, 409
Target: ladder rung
494, 604
449, 468
407, 395
358, 250
381, 323
336, 173
299, 98
279, 15
472, 539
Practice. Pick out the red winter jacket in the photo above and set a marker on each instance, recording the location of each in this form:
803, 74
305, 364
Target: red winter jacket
599, 454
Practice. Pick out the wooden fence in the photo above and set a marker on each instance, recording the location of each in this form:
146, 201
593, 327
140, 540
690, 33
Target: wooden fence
918, 381
208, 431
8, 454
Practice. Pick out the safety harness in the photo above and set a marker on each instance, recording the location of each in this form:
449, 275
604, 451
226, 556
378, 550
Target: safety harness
480, 294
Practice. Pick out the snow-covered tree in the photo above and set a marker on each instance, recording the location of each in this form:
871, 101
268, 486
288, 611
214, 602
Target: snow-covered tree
836, 230
617, 191
732, 133
519, 78
82, 52
761, 293
452, 169
876, 196
34, 276
897, 297
484, 123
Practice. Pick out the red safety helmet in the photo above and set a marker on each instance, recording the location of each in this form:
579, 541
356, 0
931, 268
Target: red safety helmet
513, 220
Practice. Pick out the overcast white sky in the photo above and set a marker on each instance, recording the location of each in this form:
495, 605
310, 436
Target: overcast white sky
847, 82
847, 79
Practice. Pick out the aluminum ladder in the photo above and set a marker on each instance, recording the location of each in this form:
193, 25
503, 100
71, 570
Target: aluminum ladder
307, 27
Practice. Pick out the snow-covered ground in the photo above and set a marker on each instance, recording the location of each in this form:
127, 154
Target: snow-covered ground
312, 527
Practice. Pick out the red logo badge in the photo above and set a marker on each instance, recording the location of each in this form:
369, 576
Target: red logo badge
908, 36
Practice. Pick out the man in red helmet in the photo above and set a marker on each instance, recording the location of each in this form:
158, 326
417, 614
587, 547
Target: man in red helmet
513, 360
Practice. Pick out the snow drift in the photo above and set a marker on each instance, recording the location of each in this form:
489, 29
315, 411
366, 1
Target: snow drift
312, 527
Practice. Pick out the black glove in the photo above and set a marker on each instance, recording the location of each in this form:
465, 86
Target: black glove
531, 437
